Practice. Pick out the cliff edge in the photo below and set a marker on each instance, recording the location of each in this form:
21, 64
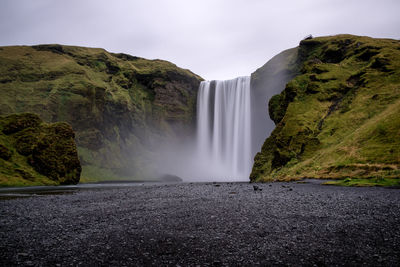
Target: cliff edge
339, 116
121, 107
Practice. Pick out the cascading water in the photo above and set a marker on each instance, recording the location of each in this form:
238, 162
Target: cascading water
224, 130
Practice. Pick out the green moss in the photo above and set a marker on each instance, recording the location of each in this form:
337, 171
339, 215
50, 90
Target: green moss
93, 173
378, 181
277, 108
18, 122
37, 153
110, 100
5, 153
339, 117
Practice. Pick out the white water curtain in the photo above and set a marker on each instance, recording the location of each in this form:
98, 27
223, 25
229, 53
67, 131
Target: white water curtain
224, 130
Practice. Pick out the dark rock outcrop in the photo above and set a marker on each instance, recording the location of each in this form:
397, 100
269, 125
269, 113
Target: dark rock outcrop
170, 178
33, 152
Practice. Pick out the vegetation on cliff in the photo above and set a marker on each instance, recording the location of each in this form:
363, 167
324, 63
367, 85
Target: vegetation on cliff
120, 106
339, 117
36, 153
267, 81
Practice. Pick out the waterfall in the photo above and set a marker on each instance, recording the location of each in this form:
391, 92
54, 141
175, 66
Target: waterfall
224, 130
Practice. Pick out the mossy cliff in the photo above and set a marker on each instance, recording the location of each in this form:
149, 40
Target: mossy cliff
339, 116
36, 153
267, 81
120, 106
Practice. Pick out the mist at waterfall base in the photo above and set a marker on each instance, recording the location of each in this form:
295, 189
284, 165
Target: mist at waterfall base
232, 125
220, 149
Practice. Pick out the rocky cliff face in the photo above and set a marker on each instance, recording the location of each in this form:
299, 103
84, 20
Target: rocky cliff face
267, 81
339, 117
37, 153
121, 107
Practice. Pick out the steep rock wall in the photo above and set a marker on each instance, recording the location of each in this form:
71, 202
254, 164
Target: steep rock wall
340, 116
122, 107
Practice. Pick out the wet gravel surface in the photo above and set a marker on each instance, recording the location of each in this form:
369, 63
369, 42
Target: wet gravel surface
203, 224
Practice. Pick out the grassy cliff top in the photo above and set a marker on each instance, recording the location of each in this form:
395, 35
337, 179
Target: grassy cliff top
62, 57
339, 118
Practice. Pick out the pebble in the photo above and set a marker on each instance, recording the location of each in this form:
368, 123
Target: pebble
195, 224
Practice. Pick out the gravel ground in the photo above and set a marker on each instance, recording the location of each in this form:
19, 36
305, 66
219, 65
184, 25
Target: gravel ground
203, 224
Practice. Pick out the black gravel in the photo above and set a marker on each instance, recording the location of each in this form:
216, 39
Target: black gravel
203, 224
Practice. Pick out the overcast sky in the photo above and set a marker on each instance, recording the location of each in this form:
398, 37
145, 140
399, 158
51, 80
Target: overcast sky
217, 39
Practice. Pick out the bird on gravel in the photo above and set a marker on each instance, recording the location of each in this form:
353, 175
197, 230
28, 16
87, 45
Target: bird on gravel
256, 188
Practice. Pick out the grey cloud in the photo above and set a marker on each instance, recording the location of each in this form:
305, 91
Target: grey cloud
216, 39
